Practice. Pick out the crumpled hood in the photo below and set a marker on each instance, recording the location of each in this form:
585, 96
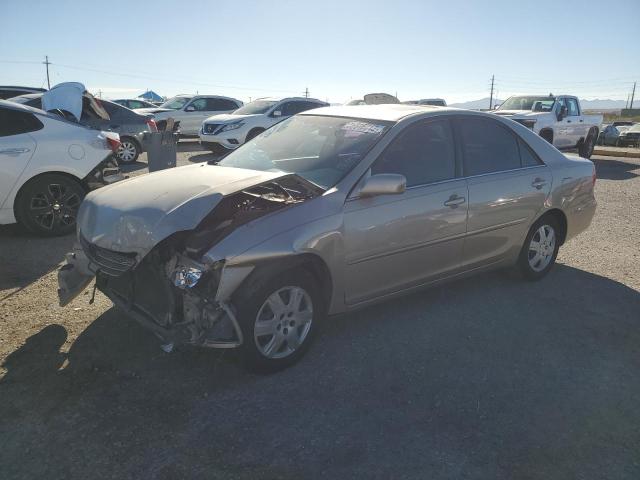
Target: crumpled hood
136, 214
226, 118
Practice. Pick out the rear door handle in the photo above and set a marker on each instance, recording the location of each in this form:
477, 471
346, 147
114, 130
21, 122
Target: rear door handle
539, 183
454, 201
14, 151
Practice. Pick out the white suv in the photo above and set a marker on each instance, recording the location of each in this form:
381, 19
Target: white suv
191, 110
228, 132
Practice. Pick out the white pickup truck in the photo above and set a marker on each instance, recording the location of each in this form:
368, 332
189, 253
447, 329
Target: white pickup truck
557, 119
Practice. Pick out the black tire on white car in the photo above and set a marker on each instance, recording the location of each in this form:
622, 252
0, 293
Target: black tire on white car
48, 204
254, 133
585, 150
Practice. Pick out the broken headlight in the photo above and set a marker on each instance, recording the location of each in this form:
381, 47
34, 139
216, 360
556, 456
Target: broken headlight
186, 277
187, 273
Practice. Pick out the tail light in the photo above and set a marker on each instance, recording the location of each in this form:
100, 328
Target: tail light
113, 143
151, 123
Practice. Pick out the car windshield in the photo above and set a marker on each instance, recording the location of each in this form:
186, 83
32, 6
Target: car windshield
537, 104
320, 149
175, 103
256, 107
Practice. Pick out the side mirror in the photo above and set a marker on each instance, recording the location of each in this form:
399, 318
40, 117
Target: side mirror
276, 113
190, 108
562, 113
383, 184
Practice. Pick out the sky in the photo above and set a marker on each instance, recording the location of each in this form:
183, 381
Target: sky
339, 50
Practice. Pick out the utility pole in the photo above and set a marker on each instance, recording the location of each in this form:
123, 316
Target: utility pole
306, 92
633, 93
47, 63
491, 95
626, 104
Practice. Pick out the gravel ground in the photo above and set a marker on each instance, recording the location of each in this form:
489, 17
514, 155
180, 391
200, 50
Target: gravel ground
488, 377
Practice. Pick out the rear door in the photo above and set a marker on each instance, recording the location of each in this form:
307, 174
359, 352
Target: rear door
508, 185
17, 147
393, 242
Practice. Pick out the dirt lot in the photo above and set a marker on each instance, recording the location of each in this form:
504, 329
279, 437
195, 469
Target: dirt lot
490, 377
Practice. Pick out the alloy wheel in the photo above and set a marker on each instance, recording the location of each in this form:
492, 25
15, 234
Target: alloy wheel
56, 206
542, 248
283, 322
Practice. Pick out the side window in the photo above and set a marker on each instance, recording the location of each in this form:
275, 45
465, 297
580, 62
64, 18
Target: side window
287, 109
135, 104
572, 107
487, 147
13, 122
527, 157
220, 104
200, 104
304, 106
423, 153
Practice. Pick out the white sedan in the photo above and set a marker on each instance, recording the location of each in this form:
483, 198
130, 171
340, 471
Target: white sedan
221, 133
47, 166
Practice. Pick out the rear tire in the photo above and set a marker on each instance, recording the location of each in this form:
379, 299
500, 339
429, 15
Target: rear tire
540, 249
586, 147
128, 152
278, 316
48, 204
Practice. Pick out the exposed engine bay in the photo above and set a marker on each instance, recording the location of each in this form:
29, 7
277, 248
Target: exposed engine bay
170, 290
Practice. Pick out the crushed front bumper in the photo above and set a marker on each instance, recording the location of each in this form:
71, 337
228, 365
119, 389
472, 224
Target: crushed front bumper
186, 316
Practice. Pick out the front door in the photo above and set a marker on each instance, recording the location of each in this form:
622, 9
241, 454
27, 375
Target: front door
393, 242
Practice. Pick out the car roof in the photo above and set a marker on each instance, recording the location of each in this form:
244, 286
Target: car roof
391, 112
282, 99
21, 107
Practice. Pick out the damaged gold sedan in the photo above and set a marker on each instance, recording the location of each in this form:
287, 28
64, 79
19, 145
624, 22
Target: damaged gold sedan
325, 212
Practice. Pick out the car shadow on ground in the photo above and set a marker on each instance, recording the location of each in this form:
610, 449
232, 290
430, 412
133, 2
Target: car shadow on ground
490, 376
615, 169
133, 167
21, 258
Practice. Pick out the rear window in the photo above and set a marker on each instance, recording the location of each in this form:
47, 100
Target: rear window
13, 122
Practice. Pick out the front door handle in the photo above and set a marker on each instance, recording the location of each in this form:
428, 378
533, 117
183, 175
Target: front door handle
454, 201
13, 151
539, 183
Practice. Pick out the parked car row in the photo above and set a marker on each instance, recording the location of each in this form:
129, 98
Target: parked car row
131, 126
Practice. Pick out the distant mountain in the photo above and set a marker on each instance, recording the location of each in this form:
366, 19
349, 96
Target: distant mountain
602, 104
481, 104
597, 104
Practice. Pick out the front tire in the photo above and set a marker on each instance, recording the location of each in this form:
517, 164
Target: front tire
278, 316
48, 205
128, 151
540, 249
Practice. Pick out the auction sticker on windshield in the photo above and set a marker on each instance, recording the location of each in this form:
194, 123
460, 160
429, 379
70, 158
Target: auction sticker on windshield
362, 127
